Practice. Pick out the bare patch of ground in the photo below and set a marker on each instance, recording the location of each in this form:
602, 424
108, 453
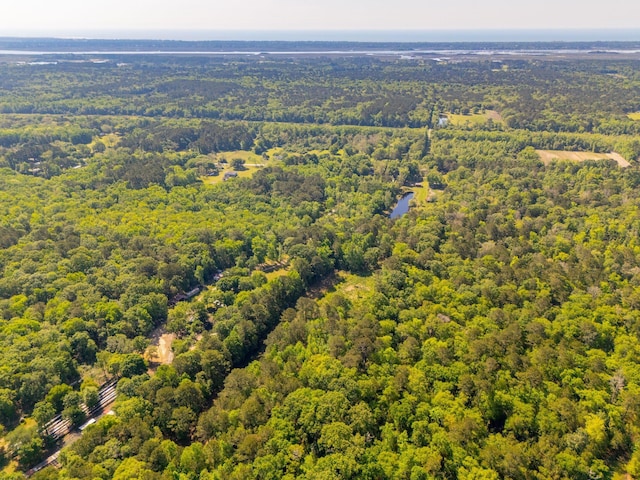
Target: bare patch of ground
165, 353
495, 116
620, 159
160, 352
548, 156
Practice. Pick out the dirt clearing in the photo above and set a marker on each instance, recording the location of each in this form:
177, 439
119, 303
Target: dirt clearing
548, 156
160, 351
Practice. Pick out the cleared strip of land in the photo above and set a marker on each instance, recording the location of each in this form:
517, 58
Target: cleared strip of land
474, 118
548, 156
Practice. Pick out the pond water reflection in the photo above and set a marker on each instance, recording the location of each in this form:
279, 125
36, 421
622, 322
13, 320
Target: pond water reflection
402, 206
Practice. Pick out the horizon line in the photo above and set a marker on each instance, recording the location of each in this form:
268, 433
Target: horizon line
449, 35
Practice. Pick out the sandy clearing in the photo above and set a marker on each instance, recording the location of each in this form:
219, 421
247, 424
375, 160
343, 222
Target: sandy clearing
164, 352
160, 352
620, 159
495, 116
547, 156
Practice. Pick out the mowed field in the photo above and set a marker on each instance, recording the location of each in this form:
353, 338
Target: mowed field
548, 156
421, 194
252, 161
474, 119
247, 156
246, 173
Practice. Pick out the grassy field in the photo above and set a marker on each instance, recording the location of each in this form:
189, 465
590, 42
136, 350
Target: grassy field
252, 161
355, 287
278, 273
246, 173
247, 156
547, 156
474, 119
634, 115
461, 120
421, 194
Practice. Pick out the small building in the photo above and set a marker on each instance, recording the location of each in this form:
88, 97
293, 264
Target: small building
181, 297
192, 293
229, 175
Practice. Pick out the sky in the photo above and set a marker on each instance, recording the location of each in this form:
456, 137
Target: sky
81, 17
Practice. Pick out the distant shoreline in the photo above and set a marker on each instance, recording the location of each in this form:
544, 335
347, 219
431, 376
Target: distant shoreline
407, 54
385, 36
12, 46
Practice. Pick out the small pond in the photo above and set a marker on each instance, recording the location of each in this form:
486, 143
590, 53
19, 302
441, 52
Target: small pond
402, 206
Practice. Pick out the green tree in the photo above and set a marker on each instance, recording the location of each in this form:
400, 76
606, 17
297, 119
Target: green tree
72, 410
237, 164
7, 407
90, 396
57, 395
31, 452
193, 460
43, 412
182, 423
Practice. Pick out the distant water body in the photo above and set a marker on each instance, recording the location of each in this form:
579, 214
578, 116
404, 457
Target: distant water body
565, 35
402, 206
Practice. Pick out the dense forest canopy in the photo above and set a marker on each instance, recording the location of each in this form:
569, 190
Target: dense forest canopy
239, 206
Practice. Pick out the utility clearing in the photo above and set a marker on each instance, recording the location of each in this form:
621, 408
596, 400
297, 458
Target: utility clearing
548, 156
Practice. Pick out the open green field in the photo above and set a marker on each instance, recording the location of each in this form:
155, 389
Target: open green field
246, 173
278, 273
355, 287
474, 119
253, 162
634, 116
421, 193
547, 156
247, 156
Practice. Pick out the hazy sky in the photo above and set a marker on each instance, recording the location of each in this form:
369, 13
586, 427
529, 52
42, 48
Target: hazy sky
31, 16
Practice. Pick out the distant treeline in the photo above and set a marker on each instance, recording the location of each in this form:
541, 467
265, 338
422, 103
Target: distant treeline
57, 44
